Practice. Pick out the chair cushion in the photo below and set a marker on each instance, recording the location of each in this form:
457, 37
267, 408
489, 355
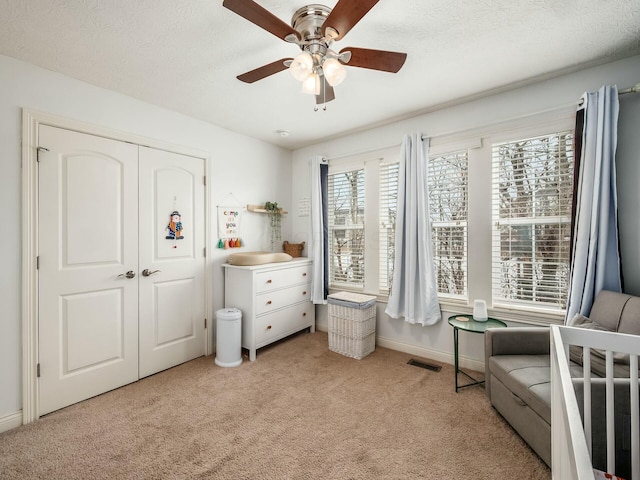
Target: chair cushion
617, 312
598, 362
529, 378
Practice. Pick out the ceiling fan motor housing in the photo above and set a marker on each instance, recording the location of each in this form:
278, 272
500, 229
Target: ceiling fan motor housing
308, 21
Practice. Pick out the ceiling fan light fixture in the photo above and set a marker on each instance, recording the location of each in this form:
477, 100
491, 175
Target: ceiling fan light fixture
314, 28
302, 66
334, 71
311, 85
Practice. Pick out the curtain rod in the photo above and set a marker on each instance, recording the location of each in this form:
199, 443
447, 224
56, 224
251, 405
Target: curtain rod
559, 108
634, 89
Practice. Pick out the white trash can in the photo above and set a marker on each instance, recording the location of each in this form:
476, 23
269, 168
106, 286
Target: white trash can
228, 337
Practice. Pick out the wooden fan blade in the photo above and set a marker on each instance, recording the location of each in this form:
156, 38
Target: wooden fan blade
326, 92
345, 15
261, 17
264, 71
375, 59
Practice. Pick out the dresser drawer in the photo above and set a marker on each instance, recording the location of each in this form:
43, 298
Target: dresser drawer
281, 278
269, 301
276, 325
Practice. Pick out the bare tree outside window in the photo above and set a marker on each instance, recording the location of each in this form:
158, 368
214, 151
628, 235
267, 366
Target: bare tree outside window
448, 181
346, 228
533, 188
388, 210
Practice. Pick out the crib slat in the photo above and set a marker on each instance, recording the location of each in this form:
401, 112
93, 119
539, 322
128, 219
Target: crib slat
611, 440
586, 374
635, 420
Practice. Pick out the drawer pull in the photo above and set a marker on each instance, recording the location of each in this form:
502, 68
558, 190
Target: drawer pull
304, 293
269, 281
304, 274
304, 314
269, 302
268, 327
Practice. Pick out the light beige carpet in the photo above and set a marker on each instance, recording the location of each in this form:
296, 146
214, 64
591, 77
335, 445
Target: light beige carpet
298, 412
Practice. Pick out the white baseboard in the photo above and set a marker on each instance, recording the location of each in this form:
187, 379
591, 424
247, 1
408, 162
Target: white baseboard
437, 355
10, 421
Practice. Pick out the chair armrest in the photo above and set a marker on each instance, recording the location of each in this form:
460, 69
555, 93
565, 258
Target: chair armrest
513, 341
516, 341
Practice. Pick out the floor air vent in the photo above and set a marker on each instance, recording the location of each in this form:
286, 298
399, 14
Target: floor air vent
428, 366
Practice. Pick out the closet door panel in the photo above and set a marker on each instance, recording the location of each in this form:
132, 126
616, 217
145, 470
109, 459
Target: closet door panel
87, 238
172, 301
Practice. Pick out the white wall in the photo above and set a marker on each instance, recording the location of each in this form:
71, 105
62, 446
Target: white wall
628, 179
25, 86
549, 95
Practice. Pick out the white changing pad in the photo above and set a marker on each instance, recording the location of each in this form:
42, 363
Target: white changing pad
257, 258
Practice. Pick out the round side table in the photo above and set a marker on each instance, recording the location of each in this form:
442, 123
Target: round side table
468, 324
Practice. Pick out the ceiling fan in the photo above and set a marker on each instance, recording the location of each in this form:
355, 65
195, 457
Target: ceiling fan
314, 28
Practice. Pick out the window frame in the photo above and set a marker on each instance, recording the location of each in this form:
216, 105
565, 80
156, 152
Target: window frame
435, 225
531, 223
548, 123
347, 168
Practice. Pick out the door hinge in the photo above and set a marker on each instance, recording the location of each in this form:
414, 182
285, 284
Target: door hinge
204, 251
38, 150
38, 262
38, 370
205, 323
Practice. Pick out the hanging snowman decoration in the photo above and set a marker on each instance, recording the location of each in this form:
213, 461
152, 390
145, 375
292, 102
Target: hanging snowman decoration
175, 228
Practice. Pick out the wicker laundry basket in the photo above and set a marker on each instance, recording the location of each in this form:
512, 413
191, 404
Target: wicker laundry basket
352, 324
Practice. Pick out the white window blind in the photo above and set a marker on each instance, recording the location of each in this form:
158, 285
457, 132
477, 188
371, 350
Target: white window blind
532, 194
346, 228
388, 200
448, 208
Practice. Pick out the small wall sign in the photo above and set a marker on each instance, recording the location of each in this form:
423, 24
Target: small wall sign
229, 227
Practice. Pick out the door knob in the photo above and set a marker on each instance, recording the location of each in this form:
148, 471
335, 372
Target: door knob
129, 274
147, 273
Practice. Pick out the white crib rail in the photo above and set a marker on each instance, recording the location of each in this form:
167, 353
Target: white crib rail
570, 441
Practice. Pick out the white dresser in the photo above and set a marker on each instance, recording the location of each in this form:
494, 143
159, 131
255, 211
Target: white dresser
275, 300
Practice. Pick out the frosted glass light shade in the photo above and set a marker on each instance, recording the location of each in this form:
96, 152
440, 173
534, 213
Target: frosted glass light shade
311, 85
480, 311
334, 71
301, 67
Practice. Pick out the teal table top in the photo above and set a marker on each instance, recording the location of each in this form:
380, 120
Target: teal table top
468, 324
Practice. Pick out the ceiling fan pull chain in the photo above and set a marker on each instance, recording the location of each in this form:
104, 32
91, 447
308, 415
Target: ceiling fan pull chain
324, 96
324, 93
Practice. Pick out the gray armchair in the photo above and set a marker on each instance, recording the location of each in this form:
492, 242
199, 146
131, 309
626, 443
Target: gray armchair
518, 378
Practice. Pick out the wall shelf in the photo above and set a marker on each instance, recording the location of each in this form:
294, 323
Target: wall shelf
261, 209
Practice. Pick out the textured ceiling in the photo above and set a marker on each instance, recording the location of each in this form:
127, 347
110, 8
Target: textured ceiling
185, 54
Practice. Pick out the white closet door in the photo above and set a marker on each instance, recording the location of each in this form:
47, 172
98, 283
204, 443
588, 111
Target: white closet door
172, 300
88, 240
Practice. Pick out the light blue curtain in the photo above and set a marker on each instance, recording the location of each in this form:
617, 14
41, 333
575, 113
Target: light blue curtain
595, 264
319, 238
414, 290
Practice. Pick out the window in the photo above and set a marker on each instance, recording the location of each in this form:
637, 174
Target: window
532, 192
447, 180
500, 211
388, 200
346, 228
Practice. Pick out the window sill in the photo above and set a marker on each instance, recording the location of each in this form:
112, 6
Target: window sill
515, 315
